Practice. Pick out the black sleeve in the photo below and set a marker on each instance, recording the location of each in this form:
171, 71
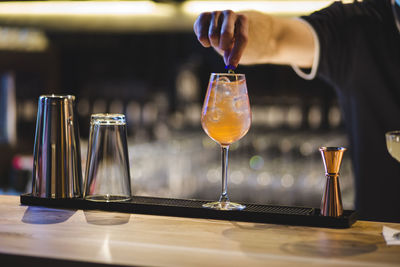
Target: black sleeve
340, 29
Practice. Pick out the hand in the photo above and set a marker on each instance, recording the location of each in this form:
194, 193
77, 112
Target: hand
226, 31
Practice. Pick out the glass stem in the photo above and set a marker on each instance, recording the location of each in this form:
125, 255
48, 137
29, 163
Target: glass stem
224, 155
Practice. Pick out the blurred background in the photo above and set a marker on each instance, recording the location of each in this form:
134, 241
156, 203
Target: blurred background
142, 59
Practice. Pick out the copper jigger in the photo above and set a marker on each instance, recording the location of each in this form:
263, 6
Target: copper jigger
331, 204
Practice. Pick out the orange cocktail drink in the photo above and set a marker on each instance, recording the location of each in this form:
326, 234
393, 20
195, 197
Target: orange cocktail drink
226, 115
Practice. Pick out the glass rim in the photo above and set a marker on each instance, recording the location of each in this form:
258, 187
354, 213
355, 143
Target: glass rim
107, 118
56, 96
227, 74
393, 133
332, 148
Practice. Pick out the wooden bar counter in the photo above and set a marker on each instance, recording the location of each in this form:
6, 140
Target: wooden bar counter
37, 235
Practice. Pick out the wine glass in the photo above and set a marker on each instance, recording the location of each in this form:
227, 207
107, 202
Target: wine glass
226, 117
393, 144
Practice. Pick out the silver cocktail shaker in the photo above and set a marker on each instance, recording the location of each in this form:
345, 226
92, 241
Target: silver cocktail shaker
57, 171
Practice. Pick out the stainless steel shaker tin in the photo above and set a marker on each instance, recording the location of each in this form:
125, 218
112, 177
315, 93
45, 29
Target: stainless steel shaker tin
57, 171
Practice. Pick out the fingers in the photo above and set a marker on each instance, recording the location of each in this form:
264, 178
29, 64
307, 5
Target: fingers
201, 28
214, 29
226, 31
240, 40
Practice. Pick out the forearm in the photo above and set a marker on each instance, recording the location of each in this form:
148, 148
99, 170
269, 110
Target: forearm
252, 37
278, 41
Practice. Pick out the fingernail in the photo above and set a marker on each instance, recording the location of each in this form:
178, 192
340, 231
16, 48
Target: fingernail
230, 67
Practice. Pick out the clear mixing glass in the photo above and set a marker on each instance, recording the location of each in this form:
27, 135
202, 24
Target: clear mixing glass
107, 167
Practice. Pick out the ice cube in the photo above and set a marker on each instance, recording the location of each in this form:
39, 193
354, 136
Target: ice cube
224, 86
226, 91
214, 114
223, 79
240, 104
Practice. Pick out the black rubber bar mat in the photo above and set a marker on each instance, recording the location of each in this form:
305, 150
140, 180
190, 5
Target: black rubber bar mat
192, 209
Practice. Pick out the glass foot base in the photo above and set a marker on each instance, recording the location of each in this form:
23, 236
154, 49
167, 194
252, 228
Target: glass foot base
223, 206
107, 198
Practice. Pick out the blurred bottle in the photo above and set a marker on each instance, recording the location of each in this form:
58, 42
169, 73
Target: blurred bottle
8, 119
21, 173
